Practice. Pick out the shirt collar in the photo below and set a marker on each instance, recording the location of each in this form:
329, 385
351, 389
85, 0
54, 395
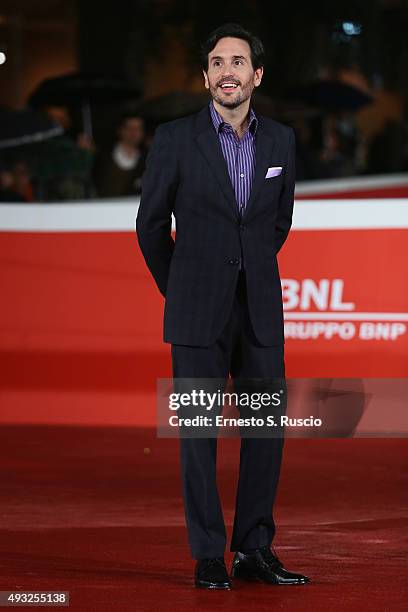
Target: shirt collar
219, 122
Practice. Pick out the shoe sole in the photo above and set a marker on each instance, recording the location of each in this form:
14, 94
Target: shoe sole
239, 575
213, 587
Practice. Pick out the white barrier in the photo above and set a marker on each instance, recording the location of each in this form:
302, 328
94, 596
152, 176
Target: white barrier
120, 215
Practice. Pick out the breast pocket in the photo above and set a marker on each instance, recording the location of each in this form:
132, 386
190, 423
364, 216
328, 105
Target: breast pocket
274, 184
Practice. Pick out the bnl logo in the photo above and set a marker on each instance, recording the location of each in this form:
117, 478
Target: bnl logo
332, 315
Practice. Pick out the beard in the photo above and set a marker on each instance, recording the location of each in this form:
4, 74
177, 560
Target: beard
236, 99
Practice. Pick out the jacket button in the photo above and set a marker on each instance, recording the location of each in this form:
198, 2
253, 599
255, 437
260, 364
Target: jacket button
234, 261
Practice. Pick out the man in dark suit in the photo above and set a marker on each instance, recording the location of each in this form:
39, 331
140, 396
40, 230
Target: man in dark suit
228, 176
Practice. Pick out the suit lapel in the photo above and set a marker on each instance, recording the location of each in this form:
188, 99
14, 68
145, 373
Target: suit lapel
265, 146
209, 145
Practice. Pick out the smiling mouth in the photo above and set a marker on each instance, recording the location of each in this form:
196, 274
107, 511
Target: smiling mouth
229, 86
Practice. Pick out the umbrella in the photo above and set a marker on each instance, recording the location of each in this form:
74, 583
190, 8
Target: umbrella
24, 127
333, 96
81, 89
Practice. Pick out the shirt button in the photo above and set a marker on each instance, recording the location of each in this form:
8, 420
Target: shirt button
242, 175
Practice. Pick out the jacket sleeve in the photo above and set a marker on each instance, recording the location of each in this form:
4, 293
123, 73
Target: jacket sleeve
285, 208
153, 222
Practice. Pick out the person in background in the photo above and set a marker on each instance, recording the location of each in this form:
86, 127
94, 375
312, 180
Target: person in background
15, 182
62, 116
62, 166
339, 154
119, 172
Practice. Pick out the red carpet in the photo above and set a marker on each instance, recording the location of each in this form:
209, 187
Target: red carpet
89, 510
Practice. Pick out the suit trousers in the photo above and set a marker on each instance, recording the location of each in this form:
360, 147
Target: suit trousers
238, 354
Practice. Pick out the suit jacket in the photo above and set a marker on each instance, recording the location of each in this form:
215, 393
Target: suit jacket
186, 174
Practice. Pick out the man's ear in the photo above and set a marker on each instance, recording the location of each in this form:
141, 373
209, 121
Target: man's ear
258, 76
206, 83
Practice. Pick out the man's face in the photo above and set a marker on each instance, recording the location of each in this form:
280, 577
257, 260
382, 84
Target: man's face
131, 132
59, 114
229, 63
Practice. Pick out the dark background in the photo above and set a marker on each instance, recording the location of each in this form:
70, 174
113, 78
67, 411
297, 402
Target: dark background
153, 45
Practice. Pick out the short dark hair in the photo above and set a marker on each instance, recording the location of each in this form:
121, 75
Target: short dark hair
127, 116
233, 30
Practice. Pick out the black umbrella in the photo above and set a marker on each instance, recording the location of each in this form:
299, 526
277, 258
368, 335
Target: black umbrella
84, 90
24, 127
332, 96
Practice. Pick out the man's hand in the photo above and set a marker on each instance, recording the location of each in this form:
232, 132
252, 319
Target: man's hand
153, 223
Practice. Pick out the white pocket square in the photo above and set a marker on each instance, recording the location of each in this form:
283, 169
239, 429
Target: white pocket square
273, 171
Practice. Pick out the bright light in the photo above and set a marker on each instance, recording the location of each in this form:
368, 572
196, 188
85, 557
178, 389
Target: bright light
2, 58
351, 28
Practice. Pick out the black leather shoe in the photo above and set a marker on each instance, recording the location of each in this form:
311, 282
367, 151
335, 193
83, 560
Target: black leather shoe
212, 574
263, 565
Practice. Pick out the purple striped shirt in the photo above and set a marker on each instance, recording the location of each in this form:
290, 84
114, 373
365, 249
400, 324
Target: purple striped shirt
239, 154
